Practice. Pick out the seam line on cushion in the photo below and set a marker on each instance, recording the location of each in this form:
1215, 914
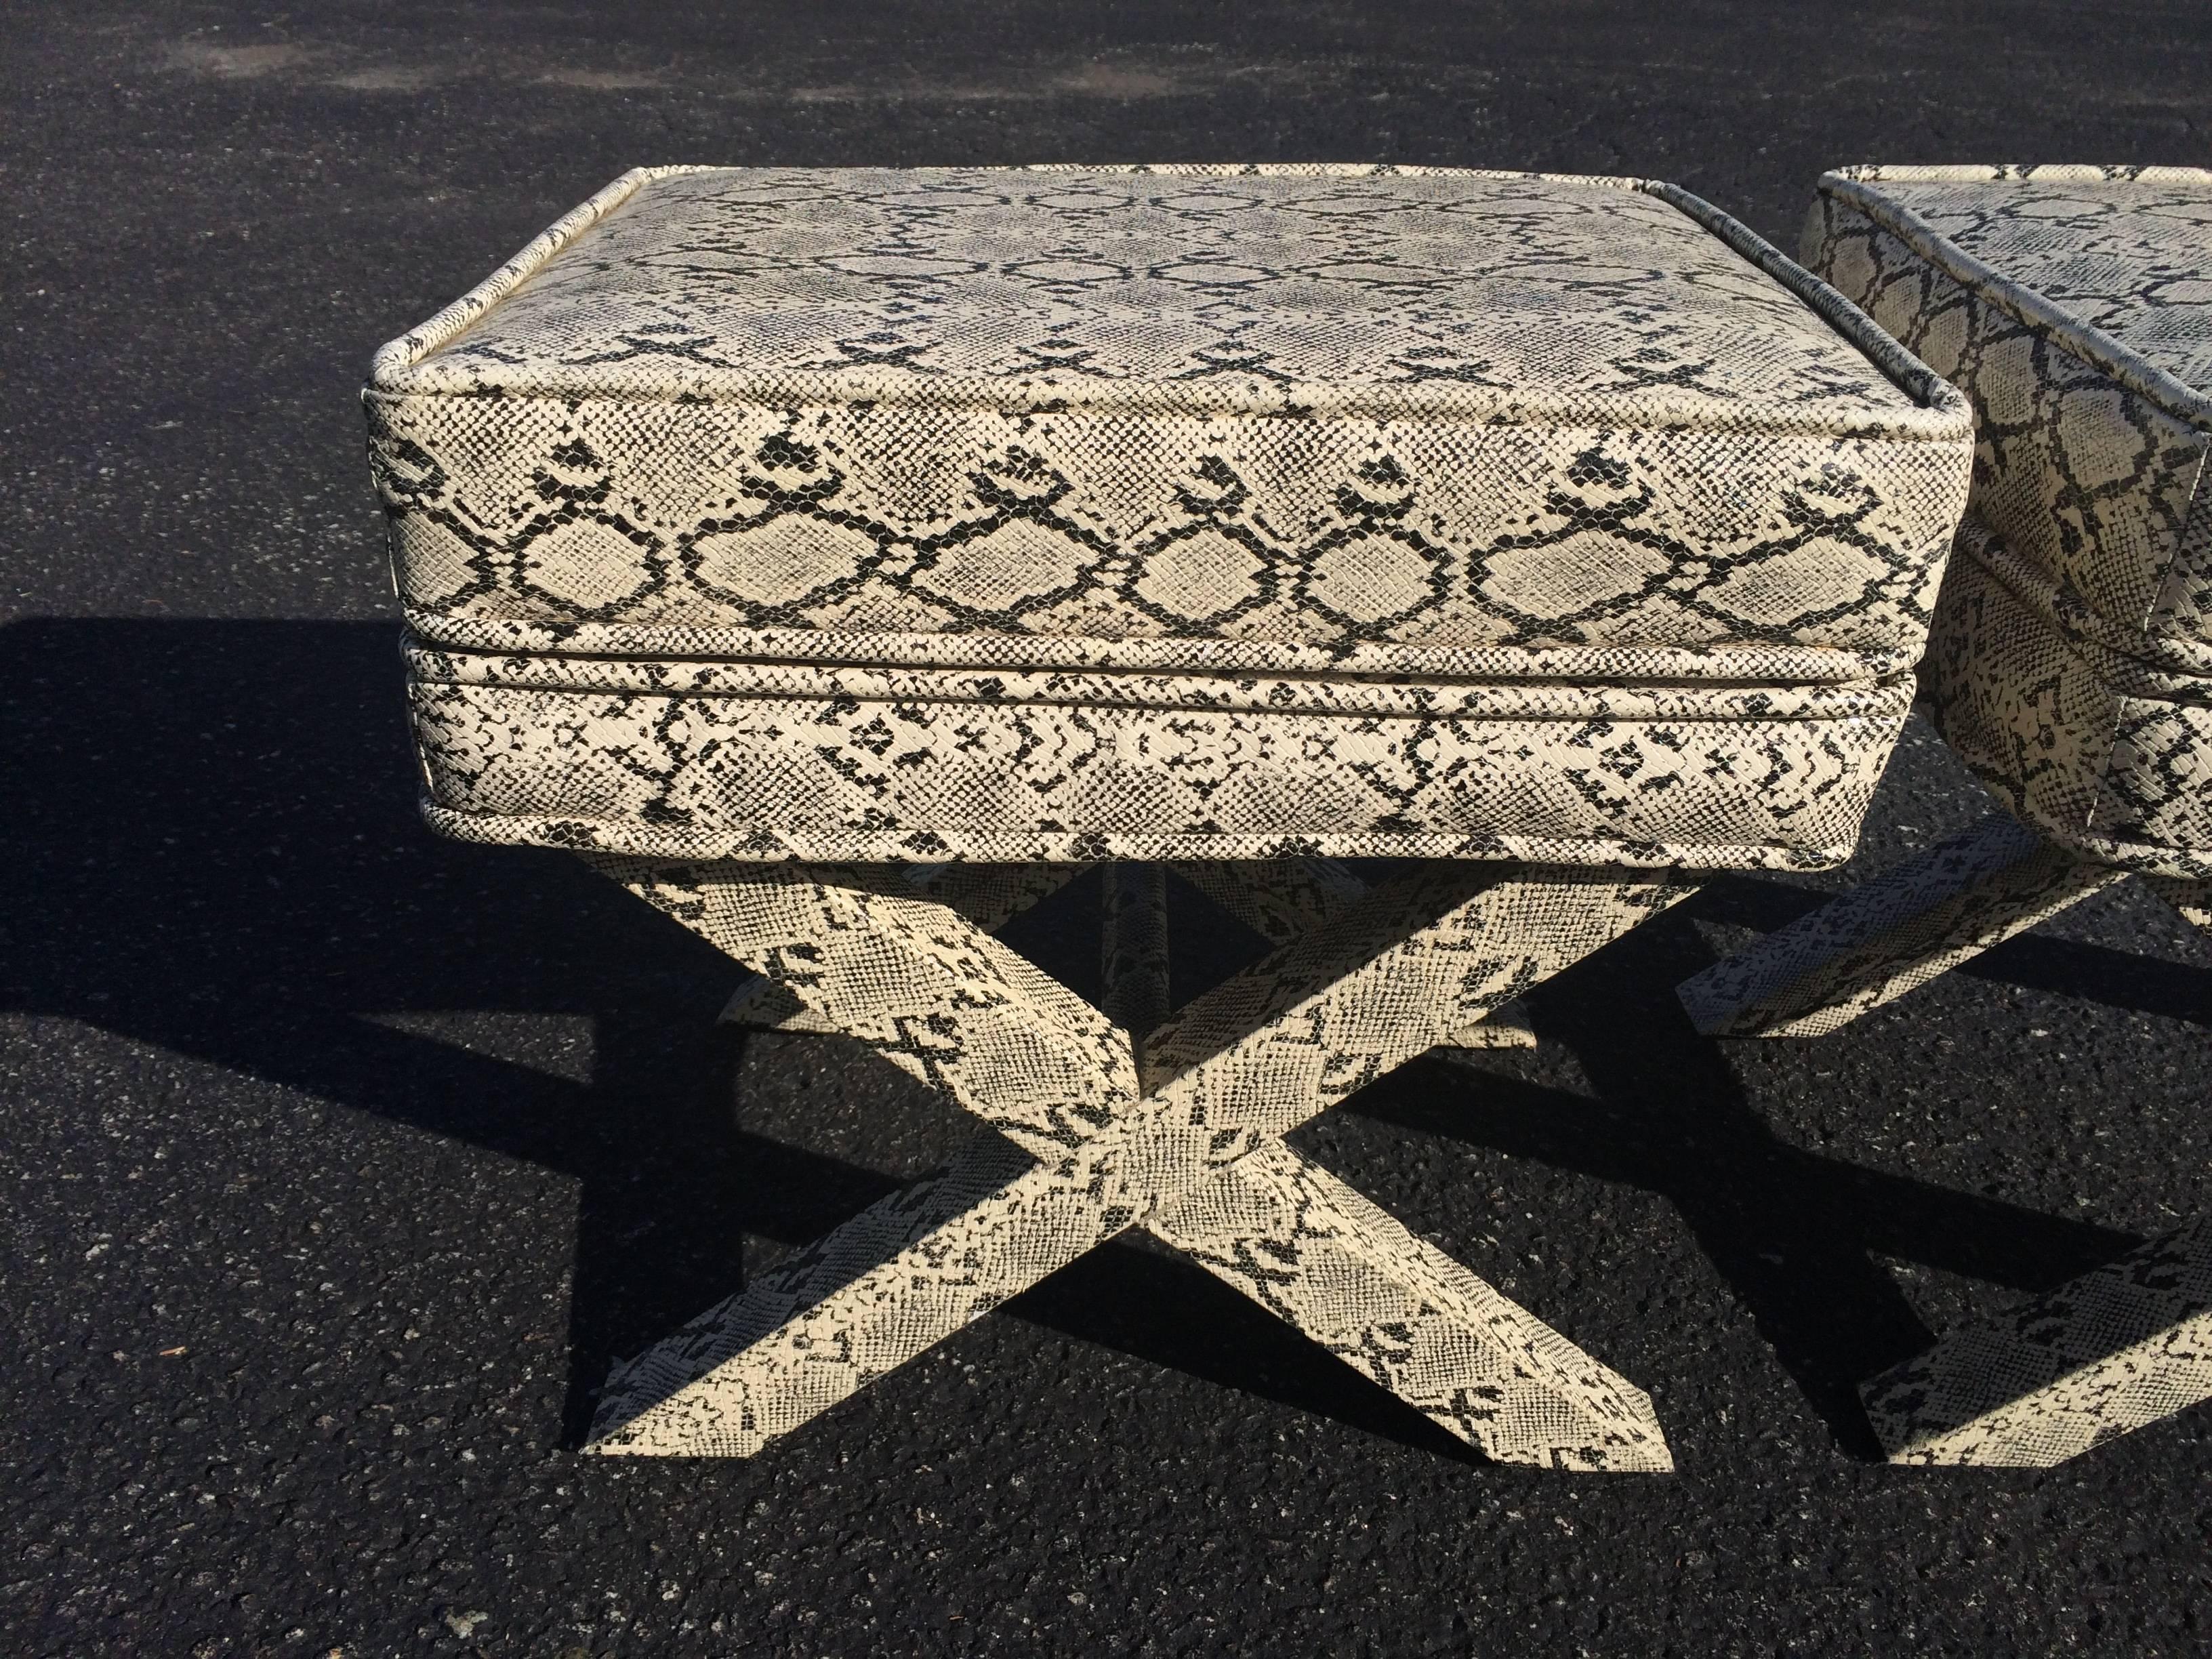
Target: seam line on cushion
1910, 375
2113, 657
2000, 172
2023, 304
1556, 851
1307, 170
1050, 653
1917, 425
448, 323
1498, 702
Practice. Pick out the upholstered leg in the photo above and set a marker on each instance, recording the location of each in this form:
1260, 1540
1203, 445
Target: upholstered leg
864, 1299
2110, 1351
1279, 899
2192, 898
2113, 1350
1347, 1273
1875, 943
1133, 965
1352, 1278
1238, 1068
988, 894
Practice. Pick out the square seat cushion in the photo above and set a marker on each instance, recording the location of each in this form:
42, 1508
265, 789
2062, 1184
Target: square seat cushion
1161, 512
2071, 661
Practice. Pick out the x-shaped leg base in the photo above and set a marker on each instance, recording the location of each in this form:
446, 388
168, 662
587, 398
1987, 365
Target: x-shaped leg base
2115, 1350
1277, 900
1090, 1132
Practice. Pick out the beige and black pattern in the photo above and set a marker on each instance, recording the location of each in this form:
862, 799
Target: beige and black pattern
678, 758
1097, 1129
1133, 949
2071, 665
2127, 1345
2192, 898
1068, 513
2071, 660
1893, 934
1277, 900
1281, 899
1911, 924
2067, 730
808, 549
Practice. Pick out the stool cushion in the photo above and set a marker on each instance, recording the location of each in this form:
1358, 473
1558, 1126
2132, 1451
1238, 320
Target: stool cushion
1224, 513
2072, 665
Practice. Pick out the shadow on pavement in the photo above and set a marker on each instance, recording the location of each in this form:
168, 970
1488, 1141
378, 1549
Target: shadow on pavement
214, 848
1794, 1232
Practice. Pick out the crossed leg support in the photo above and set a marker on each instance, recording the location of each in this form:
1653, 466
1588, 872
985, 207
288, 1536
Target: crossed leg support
1090, 1132
2114, 1350
1282, 898
1277, 899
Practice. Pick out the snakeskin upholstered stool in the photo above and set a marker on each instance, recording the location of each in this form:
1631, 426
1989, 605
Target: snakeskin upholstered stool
843, 560
2071, 665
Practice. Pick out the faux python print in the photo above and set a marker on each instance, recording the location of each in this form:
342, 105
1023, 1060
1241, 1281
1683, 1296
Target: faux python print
2075, 739
1133, 965
1892, 935
1176, 1132
2192, 898
1277, 900
2091, 423
2071, 660
767, 762
2114, 1350
667, 528
1248, 405
716, 496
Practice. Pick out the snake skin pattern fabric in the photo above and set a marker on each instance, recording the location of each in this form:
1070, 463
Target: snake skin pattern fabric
1893, 934
2192, 898
1277, 900
2103, 1354
1282, 899
2071, 658
848, 764
1171, 512
1096, 1129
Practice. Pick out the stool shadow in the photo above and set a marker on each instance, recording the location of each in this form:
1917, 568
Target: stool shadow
1794, 1232
215, 851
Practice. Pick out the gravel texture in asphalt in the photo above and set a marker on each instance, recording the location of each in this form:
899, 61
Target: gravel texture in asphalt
341, 1163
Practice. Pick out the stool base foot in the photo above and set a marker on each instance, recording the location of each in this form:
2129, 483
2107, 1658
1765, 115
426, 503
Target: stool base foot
1892, 935
1175, 1130
2108, 1352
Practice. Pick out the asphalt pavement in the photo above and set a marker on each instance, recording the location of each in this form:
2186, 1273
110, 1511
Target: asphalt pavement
340, 1163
